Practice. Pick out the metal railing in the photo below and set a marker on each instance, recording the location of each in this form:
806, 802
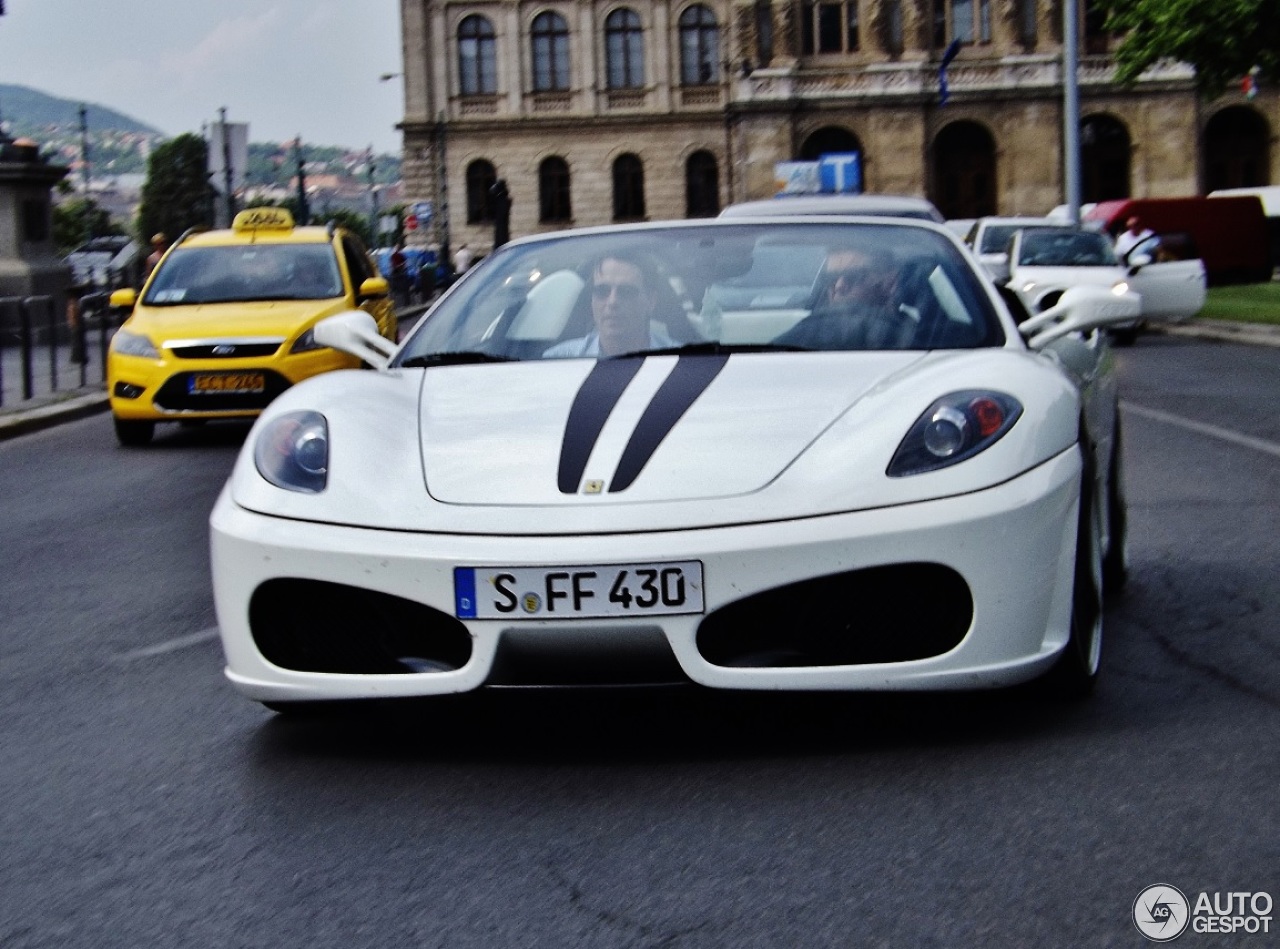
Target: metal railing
51, 352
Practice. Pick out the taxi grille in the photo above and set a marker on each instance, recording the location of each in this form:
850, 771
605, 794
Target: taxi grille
896, 613
226, 350
176, 395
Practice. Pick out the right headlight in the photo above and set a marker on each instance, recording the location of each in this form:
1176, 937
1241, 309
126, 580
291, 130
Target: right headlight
955, 427
133, 344
292, 452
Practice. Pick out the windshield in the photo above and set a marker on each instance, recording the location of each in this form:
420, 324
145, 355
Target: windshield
711, 287
1066, 249
995, 237
245, 272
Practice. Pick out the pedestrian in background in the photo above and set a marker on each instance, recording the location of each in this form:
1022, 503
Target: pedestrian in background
159, 244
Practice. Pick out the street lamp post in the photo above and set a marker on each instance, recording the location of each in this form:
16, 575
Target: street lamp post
304, 212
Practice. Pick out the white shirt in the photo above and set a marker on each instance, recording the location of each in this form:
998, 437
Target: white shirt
589, 345
1128, 241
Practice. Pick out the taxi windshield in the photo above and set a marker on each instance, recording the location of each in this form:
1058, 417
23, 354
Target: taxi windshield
245, 272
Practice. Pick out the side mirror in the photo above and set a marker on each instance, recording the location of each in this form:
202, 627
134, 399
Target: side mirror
1137, 261
1080, 310
124, 299
374, 287
356, 332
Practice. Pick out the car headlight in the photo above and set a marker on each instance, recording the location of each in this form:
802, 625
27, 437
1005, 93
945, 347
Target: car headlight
1029, 286
292, 452
306, 343
954, 428
133, 344
1119, 288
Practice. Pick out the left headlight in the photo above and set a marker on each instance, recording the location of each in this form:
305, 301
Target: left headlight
954, 428
292, 452
305, 343
133, 344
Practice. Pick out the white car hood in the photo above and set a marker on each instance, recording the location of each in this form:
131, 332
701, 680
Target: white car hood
1103, 276
626, 431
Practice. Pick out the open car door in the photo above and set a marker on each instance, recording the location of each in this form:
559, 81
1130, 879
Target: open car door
1166, 270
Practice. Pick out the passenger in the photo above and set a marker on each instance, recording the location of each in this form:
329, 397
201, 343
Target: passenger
1133, 235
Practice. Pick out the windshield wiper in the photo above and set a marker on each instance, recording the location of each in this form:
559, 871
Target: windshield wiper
713, 348
452, 359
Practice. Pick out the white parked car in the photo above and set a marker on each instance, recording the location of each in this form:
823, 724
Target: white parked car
622, 455
989, 237
1045, 262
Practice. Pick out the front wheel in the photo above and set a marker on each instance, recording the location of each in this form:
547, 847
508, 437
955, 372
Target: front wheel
1075, 674
133, 433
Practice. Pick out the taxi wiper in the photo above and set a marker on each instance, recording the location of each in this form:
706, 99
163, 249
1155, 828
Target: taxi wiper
452, 359
713, 348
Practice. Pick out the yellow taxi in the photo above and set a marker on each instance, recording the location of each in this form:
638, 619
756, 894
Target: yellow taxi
224, 323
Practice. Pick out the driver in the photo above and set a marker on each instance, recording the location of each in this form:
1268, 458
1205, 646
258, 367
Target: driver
623, 299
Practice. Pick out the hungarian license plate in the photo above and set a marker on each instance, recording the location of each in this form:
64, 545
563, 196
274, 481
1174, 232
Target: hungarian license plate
631, 589
224, 383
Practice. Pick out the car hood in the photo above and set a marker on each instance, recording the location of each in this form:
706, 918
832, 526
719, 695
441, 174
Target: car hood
278, 318
563, 446
635, 430
1103, 276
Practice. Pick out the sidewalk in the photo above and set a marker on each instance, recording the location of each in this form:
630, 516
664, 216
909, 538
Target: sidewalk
19, 416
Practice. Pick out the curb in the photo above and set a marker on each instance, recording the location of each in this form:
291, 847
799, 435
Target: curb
49, 414
1249, 334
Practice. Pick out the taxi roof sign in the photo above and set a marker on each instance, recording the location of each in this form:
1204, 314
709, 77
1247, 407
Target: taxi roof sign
263, 219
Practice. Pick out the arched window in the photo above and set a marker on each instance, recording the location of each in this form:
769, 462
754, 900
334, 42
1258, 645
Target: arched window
701, 186
1236, 145
1104, 159
963, 159
553, 191
550, 36
477, 57
481, 176
624, 50
699, 46
628, 188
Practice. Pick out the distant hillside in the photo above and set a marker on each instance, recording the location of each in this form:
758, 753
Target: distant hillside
28, 111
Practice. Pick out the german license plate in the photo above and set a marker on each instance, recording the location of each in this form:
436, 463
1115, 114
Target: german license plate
224, 383
631, 589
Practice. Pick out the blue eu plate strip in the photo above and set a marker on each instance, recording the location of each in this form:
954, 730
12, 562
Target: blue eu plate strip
464, 592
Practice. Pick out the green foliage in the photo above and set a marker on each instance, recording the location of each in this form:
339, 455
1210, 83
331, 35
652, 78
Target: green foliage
1222, 39
357, 223
75, 221
177, 194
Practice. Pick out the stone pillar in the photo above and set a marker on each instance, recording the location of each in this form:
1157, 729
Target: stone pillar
29, 262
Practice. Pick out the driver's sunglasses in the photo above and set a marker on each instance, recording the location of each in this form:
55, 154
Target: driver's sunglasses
849, 276
627, 292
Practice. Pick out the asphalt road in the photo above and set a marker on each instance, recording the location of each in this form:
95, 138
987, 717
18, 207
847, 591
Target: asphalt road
146, 804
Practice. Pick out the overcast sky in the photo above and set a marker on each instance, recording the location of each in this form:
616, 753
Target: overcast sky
286, 67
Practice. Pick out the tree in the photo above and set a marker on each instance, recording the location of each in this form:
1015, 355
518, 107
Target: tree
76, 220
357, 223
177, 194
1222, 39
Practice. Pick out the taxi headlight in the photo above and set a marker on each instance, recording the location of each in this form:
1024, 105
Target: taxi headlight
292, 452
1120, 288
133, 344
306, 343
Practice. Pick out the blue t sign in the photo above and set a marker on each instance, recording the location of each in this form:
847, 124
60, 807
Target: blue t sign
840, 173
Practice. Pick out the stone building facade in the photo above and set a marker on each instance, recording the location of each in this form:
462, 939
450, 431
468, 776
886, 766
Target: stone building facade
595, 111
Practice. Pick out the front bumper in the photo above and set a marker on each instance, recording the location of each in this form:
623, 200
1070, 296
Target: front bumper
1012, 546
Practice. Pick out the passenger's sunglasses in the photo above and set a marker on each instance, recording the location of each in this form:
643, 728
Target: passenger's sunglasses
627, 292
849, 275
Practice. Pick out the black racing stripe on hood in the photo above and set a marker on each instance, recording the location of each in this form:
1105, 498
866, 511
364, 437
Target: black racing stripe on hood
688, 380
591, 407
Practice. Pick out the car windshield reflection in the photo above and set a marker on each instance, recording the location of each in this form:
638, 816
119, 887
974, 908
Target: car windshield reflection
263, 271
712, 288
